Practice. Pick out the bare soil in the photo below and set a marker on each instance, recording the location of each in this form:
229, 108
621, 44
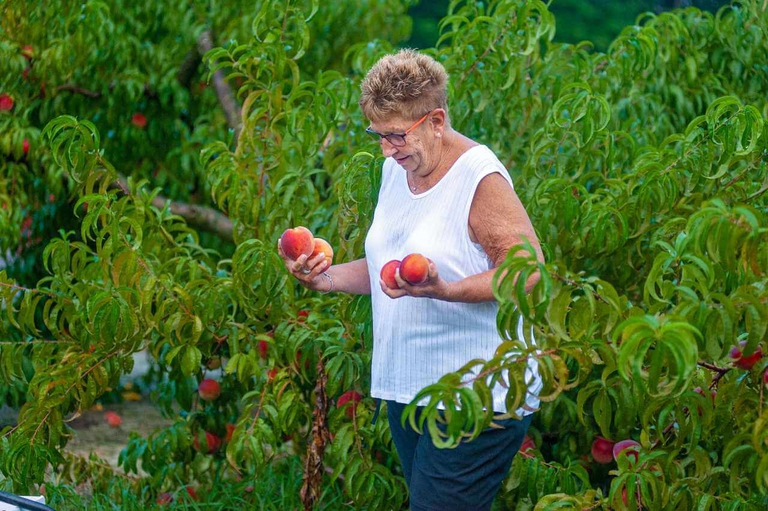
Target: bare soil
94, 435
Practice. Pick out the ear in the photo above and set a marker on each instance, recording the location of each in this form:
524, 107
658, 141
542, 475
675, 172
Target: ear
437, 120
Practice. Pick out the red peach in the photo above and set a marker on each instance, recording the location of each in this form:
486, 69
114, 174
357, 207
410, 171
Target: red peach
209, 390
230, 430
350, 396
271, 374
602, 450
164, 498
139, 120
212, 443
528, 444
388, 274
415, 269
323, 246
191, 492
28, 51
6, 102
263, 349
297, 241
302, 315
742, 362
631, 447
765, 376
25, 146
625, 497
113, 419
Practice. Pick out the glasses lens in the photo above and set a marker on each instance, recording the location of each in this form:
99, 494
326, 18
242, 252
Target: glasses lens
372, 133
396, 140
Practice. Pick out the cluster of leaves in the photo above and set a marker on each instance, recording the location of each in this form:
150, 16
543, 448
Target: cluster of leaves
642, 168
644, 172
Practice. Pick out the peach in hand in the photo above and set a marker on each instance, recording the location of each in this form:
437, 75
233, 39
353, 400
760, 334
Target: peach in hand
297, 241
322, 246
388, 274
415, 269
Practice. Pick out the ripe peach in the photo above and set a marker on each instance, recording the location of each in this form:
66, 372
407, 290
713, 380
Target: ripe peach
415, 269
139, 120
351, 396
388, 274
25, 146
263, 349
212, 443
209, 390
230, 430
113, 419
765, 377
191, 492
297, 241
742, 362
6, 102
164, 498
602, 450
631, 447
28, 51
271, 374
323, 246
528, 444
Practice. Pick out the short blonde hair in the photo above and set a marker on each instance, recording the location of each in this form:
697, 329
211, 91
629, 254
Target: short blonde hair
407, 84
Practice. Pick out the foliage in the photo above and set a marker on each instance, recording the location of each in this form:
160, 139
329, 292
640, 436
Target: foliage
642, 168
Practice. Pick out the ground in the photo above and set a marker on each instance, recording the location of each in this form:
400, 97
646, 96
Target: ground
93, 434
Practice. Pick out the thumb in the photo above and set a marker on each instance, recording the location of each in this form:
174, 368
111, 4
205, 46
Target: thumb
432, 269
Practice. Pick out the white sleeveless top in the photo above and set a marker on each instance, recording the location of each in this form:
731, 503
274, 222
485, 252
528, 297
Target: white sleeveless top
418, 340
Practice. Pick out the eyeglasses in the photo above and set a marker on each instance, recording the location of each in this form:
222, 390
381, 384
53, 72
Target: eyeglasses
396, 139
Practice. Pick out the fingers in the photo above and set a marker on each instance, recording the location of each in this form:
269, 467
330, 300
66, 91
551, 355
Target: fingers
315, 266
392, 293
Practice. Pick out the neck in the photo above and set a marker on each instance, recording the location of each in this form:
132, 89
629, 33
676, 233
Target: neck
449, 147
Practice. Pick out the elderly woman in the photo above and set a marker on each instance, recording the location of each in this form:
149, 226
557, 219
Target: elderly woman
449, 198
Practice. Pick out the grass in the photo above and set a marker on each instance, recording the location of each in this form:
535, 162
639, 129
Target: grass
276, 489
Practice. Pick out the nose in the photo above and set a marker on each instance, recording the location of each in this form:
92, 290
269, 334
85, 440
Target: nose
387, 148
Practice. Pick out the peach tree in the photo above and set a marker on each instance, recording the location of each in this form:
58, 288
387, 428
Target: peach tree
642, 168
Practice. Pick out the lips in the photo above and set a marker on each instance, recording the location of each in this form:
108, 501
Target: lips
401, 160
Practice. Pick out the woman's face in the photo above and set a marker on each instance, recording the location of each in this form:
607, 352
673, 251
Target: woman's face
419, 155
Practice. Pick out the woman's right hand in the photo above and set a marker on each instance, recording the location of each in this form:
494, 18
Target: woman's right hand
306, 271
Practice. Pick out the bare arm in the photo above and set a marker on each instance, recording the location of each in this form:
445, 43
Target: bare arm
497, 221
349, 277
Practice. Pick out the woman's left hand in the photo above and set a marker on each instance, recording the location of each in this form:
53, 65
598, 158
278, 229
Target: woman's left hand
434, 287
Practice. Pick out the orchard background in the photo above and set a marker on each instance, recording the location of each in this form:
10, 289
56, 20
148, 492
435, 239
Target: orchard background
151, 153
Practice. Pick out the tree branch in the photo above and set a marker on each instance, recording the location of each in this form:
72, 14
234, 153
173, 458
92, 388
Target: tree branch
188, 68
223, 90
78, 90
202, 217
313, 464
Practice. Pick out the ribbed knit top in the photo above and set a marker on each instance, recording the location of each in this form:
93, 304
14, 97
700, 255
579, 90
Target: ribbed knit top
418, 340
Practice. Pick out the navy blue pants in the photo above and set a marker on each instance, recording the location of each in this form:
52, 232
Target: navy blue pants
466, 478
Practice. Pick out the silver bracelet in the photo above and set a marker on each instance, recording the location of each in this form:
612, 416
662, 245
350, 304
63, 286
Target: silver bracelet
330, 281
